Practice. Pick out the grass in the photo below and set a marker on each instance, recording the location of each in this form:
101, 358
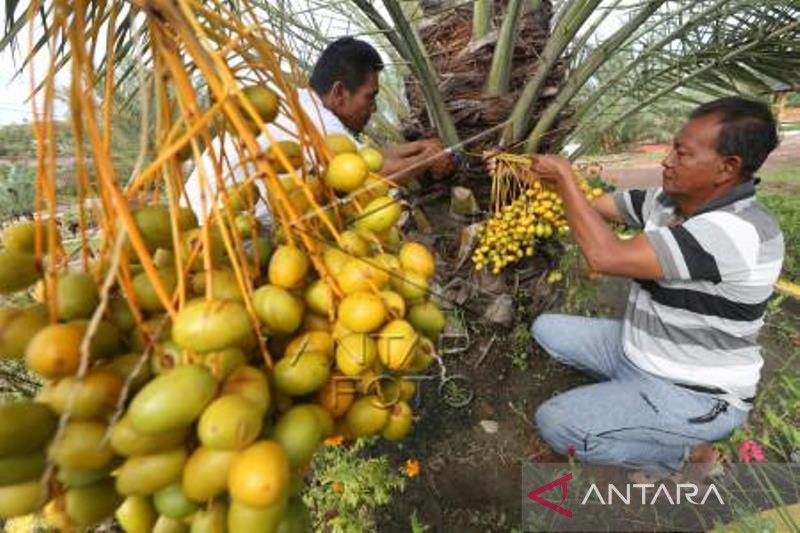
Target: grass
786, 208
788, 174
17, 188
520, 345
785, 205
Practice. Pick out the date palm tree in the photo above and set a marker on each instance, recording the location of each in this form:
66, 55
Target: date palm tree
537, 74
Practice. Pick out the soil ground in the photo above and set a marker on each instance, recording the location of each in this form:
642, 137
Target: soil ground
471, 455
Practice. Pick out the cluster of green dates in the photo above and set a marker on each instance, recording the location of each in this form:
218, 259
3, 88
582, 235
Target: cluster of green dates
193, 450
190, 453
166, 460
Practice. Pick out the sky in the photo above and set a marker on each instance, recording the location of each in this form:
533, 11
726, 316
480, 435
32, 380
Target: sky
14, 104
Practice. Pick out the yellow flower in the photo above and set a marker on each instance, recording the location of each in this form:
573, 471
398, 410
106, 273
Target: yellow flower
412, 468
335, 440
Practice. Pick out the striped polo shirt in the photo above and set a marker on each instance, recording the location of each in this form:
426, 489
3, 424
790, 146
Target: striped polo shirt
699, 324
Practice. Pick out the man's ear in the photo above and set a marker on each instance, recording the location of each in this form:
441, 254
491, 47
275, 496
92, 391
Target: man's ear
731, 168
337, 93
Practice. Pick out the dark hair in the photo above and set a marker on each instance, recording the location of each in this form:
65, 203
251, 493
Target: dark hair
748, 130
347, 60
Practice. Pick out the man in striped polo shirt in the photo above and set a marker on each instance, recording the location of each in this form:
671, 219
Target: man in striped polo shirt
682, 367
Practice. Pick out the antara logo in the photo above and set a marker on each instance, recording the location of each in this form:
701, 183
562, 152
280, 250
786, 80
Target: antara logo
562, 482
688, 490
683, 492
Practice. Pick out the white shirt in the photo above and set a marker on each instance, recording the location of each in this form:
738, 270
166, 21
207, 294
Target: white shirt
234, 171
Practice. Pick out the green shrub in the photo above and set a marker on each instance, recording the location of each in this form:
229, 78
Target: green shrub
17, 191
786, 207
348, 486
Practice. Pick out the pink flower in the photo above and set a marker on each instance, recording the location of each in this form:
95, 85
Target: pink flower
750, 450
571, 450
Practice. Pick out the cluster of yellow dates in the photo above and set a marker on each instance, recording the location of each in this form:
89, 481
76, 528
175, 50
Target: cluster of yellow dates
513, 231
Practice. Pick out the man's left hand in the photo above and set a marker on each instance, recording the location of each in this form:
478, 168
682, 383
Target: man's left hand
442, 163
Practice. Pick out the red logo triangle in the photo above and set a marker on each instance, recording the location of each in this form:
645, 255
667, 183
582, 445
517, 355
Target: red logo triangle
562, 482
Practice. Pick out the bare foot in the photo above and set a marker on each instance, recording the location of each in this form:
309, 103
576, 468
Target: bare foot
703, 462
703, 453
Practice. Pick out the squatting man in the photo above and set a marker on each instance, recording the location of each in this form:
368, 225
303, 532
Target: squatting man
681, 368
340, 100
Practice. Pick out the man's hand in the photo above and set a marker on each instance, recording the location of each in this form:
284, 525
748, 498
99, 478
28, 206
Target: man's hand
404, 150
409, 161
552, 168
605, 252
442, 163
555, 169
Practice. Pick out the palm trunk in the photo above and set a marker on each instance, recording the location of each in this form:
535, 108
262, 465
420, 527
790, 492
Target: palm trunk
502, 59
482, 13
575, 15
424, 70
462, 64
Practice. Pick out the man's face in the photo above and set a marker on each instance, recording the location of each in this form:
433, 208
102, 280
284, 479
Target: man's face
354, 108
693, 166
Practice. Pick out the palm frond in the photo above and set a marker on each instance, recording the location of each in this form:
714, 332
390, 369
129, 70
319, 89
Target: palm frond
742, 49
683, 51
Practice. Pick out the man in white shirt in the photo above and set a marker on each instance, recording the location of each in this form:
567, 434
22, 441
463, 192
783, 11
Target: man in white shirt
341, 99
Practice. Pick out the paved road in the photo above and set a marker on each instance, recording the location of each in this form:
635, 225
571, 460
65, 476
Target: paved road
631, 174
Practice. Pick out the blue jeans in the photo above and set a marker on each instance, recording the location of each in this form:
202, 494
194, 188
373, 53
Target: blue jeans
631, 417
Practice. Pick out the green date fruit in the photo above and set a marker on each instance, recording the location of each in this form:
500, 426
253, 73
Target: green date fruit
21, 499
25, 426
17, 328
145, 291
205, 475
245, 519
21, 467
82, 446
170, 501
76, 296
211, 519
18, 270
145, 474
209, 325
90, 505
251, 383
172, 400
136, 515
125, 440
301, 375
230, 422
299, 431
93, 396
